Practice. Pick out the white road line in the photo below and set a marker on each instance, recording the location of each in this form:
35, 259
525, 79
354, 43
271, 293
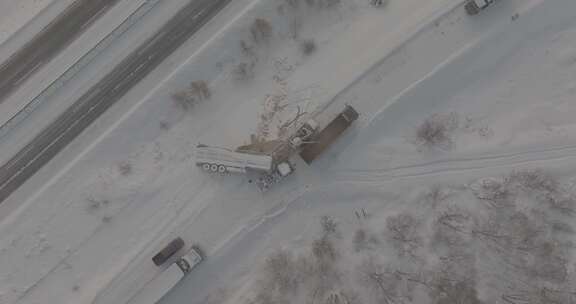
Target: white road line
145, 47
140, 66
89, 21
199, 13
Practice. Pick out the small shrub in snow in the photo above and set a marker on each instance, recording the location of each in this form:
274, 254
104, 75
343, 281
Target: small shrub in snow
197, 91
363, 240
200, 89
292, 3
378, 3
247, 50
125, 168
437, 131
323, 4
307, 47
244, 71
435, 196
261, 31
323, 249
329, 225
183, 99
164, 125
94, 204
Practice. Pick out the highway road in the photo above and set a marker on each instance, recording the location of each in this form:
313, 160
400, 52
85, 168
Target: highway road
105, 93
50, 41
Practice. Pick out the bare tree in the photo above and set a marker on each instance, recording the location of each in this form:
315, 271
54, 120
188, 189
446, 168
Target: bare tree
281, 272
535, 180
546, 188
364, 240
541, 295
498, 192
403, 233
435, 196
381, 282
448, 291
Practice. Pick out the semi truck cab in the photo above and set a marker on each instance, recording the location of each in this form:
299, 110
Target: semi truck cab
473, 7
154, 290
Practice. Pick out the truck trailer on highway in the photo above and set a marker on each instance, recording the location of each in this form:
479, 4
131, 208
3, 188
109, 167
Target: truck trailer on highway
222, 160
154, 290
168, 251
316, 143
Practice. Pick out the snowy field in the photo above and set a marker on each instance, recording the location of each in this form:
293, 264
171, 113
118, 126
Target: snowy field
455, 185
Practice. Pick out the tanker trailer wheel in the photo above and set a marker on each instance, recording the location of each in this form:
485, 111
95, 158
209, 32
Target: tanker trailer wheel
222, 169
214, 168
206, 167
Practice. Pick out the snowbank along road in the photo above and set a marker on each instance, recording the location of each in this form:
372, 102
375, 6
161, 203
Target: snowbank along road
99, 98
49, 42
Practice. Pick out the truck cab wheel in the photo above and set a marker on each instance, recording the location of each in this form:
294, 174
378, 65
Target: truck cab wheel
222, 169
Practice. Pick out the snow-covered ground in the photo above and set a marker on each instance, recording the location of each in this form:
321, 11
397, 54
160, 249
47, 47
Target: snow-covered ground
88, 223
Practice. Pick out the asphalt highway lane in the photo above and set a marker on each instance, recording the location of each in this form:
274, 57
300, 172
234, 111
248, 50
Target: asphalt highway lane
100, 97
49, 42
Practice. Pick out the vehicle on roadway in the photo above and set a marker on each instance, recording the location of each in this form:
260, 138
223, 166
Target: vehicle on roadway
168, 251
222, 160
154, 290
317, 142
473, 7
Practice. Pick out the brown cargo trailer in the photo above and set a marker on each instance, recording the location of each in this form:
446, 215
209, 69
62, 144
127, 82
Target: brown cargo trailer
168, 251
323, 139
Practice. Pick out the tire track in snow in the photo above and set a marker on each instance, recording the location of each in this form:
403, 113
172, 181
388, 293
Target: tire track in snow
453, 165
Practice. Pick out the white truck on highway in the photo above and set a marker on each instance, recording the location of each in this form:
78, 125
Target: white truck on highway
154, 290
474, 7
222, 160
